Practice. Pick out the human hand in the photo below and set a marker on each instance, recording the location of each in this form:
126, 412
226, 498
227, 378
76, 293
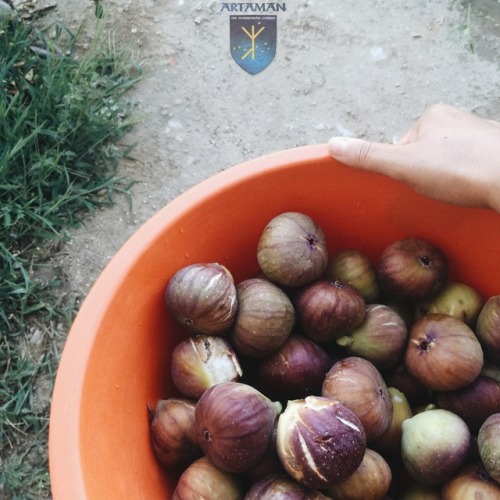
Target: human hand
448, 154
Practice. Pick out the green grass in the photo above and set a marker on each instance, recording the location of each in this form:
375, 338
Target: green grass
470, 16
63, 117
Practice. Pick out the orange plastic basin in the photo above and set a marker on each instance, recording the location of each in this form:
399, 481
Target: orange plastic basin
116, 359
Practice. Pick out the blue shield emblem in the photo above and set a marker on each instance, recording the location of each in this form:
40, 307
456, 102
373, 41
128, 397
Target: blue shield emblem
253, 41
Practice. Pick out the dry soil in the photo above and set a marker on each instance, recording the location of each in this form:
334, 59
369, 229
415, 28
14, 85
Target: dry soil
342, 67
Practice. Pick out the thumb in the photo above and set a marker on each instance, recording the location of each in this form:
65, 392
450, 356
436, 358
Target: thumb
375, 156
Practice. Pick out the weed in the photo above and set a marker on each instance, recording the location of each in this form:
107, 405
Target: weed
62, 120
470, 15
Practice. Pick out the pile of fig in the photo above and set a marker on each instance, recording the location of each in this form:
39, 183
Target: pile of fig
331, 376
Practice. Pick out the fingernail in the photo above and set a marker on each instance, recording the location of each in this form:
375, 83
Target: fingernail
337, 146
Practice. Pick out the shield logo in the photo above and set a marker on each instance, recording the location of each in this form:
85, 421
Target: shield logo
253, 41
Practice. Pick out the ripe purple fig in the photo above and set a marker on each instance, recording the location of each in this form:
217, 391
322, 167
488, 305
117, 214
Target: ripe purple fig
320, 441
471, 481
173, 432
488, 442
488, 327
434, 445
281, 487
328, 309
412, 269
443, 353
270, 464
370, 481
292, 250
202, 479
474, 403
265, 318
380, 338
202, 298
234, 425
354, 267
202, 361
296, 370
455, 299
357, 384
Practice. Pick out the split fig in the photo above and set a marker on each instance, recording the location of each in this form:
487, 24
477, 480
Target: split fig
202, 361
320, 441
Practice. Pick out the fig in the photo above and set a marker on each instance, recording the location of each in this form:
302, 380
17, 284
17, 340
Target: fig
292, 250
491, 369
202, 361
471, 481
281, 487
173, 432
488, 327
420, 492
488, 442
354, 267
296, 370
270, 464
234, 425
412, 269
370, 481
265, 318
455, 299
203, 480
328, 309
320, 442
474, 403
380, 338
202, 298
357, 384
415, 392
389, 443
434, 445
443, 353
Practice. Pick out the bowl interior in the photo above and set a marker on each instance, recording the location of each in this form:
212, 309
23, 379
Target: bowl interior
116, 359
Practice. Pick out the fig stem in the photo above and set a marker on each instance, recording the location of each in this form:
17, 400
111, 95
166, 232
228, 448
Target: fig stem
345, 341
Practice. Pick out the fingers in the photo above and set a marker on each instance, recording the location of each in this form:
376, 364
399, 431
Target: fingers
388, 159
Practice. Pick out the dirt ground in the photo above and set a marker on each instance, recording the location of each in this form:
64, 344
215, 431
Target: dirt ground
349, 67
